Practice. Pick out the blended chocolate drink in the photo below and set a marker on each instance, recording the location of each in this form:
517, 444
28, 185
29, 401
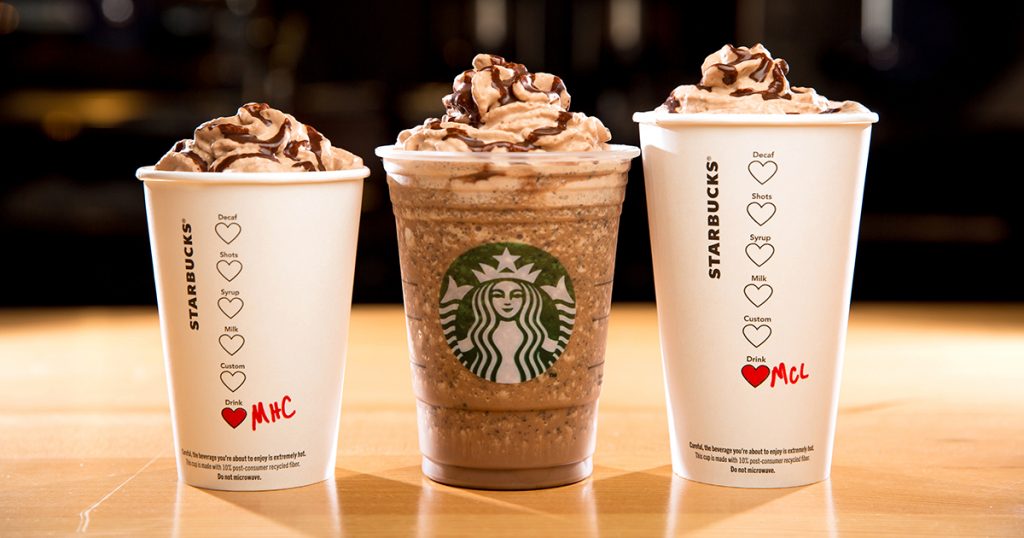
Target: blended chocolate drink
507, 212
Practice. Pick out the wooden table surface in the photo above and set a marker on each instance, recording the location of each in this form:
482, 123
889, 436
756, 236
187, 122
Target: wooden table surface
930, 440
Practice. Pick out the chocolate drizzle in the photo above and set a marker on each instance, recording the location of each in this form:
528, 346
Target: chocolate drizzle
527, 80
742, 53
741, 72
196, 159
459, 104
269, 149
778, 69
761, 72
242, 135
557, 87
474, 115
226, 161
672, 104
461, 107
272, 146
528, 144
183, 147
291, 149
316, 145
477, 145
563, 122
729, 74
257, 109
505, 94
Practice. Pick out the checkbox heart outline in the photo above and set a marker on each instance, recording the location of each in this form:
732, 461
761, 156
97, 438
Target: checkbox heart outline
760, 254
757, 335
228, 232
762, 171
230, 307
758, 295
231, 343
233, 380
229, 269
761, 213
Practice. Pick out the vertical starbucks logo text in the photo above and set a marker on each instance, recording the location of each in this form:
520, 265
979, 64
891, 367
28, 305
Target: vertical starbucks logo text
507, 311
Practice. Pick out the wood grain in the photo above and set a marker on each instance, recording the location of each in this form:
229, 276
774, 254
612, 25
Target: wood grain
930, 440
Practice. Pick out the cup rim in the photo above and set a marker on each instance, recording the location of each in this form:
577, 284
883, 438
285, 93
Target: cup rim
149, 174
615, 152
668, 119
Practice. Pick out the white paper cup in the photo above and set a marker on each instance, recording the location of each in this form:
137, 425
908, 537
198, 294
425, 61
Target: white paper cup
754, 223
254, 286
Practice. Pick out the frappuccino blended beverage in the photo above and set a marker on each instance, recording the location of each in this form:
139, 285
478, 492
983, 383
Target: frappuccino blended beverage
507, 212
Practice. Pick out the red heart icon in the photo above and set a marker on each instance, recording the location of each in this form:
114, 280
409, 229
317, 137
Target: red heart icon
755, 376
233, 417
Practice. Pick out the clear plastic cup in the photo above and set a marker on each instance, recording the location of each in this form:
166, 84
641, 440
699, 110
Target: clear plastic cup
507, 263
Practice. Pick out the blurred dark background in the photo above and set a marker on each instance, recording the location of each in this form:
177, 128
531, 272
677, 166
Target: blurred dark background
92, 89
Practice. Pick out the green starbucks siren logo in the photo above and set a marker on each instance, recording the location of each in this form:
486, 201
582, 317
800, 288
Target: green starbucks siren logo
507, 311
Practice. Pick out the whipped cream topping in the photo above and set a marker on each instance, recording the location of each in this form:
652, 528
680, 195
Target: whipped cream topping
257, 139
501, 106
742, 80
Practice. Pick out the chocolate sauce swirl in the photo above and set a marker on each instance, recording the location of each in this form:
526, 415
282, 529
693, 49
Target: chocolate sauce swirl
501, 106
777, 87
270, 146
528, 144
462, 107
459, 104
733, 77
316, 145
257, 110
258, 138
225, 163
184, 148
